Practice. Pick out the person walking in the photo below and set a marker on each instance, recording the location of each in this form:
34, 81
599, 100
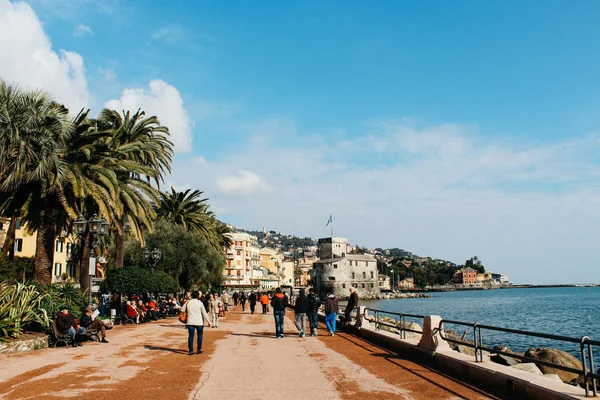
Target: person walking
213, 305
352, 304
264, 301
196, 316
252, 300
243, 299
313, 311
235, 298
225, 300
279, 302
301, 308
331, 310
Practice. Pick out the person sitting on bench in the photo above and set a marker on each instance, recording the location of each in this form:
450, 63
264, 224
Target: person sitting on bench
131, 312
89, 324
66, 325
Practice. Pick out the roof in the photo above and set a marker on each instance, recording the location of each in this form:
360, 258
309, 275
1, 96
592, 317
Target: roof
268, 250
468, 269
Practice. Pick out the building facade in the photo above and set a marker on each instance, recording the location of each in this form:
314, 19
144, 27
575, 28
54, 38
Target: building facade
341, 271
243, 268
466, 276
63, 268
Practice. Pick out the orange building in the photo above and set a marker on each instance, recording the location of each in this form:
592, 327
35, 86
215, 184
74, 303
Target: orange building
466, 276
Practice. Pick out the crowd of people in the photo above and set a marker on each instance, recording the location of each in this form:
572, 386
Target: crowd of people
206, 309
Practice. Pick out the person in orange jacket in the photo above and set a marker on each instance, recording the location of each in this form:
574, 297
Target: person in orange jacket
264, 301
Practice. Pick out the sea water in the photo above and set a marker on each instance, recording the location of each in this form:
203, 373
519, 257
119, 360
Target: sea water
573, 312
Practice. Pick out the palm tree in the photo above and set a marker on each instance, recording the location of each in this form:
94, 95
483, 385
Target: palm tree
33, 132
187, 209
145, 154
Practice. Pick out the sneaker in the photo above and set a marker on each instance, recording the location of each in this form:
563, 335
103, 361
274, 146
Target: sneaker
190, 354
312, 335
199, 352
301, 333
332, 333
282, 335
104, 341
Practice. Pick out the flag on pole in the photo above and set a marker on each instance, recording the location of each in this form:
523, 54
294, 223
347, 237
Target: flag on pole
330, 220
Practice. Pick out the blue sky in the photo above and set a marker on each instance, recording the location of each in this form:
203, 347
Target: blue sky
448, 128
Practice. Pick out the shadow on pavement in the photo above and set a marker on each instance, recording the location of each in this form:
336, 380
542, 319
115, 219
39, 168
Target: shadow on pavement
170, 350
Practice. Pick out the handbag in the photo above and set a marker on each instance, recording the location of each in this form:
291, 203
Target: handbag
183, 317
221, 312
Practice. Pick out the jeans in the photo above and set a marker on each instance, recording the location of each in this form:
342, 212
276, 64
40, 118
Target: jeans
215, 319
264, 308
279, 316
300, 321
71, 332
191, 329
330, 320
252, 306
313, 319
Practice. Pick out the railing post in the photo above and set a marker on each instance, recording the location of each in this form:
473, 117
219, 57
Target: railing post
377, 320
475, 338
584, 366
402, 333
592, 368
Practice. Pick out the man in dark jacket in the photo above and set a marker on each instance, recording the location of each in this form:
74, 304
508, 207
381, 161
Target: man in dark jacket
252, 299
313, 310
66, 325
352, 304
279, 302
301, 308
89, 324
331, 310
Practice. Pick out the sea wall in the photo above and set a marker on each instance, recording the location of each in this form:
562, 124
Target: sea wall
430, 349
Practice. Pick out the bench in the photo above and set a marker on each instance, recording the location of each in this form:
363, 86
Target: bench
56, 337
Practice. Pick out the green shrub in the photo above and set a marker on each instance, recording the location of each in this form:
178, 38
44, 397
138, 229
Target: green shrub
20, 307
63, 294
138, 280
17, 270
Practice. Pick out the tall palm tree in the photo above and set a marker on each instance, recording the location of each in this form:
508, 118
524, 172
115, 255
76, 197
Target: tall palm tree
187, 209
145, 154
33, 132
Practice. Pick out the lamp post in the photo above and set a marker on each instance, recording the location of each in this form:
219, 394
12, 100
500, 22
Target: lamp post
96, 227
152, 256
392, 270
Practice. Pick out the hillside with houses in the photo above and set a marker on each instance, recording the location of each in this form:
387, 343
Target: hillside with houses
397, 268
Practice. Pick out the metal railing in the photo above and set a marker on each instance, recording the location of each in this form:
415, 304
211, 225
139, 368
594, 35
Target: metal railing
377, 319
585, 347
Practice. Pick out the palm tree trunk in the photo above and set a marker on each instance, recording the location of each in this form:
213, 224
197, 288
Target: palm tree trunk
84, 264
44, 249
120, 245
9, 243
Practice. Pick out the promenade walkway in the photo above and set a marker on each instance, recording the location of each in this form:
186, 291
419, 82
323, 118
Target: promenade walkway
241, 360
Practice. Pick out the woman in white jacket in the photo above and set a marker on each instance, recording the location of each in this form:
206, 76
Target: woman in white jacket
196, 315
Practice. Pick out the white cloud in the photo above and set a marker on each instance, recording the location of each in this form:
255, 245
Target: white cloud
164, 101
244, 184
170, 34
443, 191
81, 30
27, 58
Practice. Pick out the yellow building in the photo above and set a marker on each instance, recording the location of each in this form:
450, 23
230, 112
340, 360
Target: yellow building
25, 244
271, 259
288, 273
243, 268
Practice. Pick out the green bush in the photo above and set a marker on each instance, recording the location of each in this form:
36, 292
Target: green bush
138, 280
63, 294
20, 307
17, 270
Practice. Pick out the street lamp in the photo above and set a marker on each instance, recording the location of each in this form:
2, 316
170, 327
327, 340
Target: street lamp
152, 256
391, 268
96, 227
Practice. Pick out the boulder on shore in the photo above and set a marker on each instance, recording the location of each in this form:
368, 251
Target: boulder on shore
528, 367
503, 359
557, 357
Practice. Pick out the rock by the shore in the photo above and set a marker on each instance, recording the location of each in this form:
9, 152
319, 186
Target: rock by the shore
558, 357
503, 359
397, 325
528, 367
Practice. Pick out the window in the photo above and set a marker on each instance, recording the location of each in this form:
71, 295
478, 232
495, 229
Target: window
343, 286
353, 275
372, 275
363, 285
70, 269
69, 248
57, 269
59, 246
332, 278
364, 275
335, 266
18, 224
354, 285
18, 245
371, 285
